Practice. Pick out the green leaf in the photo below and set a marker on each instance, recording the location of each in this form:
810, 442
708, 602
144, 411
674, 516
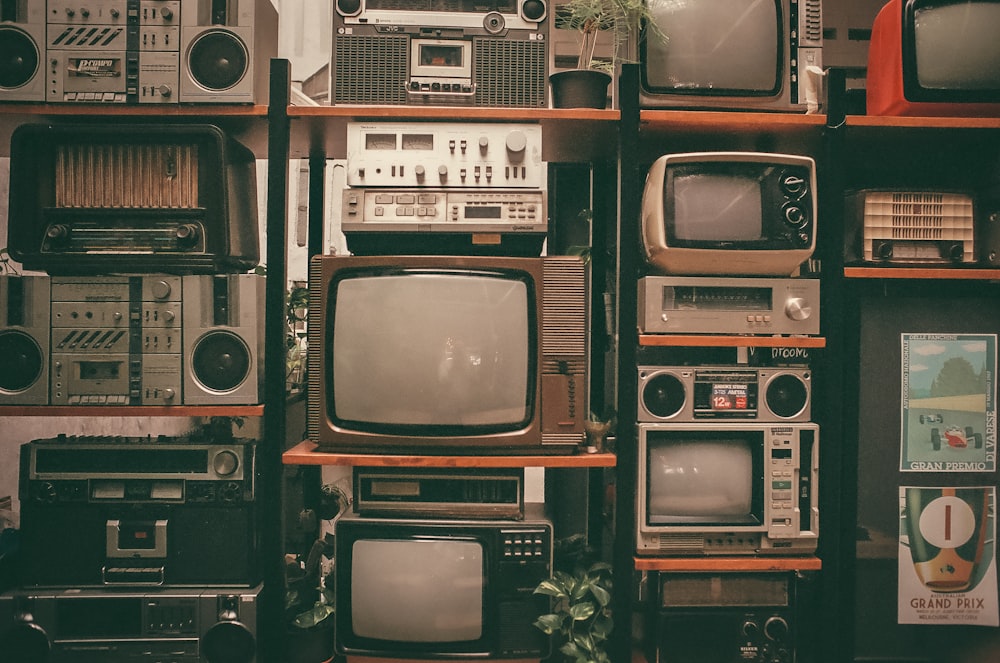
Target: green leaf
549, 624
602, 595
551, 588
581, 611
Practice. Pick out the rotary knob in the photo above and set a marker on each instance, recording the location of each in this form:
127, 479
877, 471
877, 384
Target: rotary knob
484, 143
798, 308
166, 13
419, 172
516, 143
168, 394
58, 232
776, 628
160, 289
443, 172
186, 234
225, 463
165, 90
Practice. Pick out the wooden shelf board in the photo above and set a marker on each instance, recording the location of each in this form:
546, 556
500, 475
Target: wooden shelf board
746, 122
131, 411
694, 564
727, 341
946, 273
884, 122
453, 114
103, 111
305, 453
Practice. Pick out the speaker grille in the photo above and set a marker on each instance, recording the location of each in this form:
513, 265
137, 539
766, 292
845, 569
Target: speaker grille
369, 69
20, 59
510, 73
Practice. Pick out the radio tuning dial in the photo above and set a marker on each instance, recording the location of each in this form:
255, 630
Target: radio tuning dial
187, 234
225, 463
751, 629
776, 628
798, 308
57, 231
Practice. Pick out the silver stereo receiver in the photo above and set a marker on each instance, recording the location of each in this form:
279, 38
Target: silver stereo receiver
445, 155
711, 305
165, 52
440, 53
724, 393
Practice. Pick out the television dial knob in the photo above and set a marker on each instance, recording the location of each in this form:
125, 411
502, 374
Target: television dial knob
795, 215
798, 308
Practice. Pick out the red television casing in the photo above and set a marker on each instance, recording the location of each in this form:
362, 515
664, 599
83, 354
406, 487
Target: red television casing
885, 94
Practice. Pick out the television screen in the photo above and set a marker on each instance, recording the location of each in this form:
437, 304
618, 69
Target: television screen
701, 480
719, 47
716, 206
418, 348
955, 45
420, 590
935, 58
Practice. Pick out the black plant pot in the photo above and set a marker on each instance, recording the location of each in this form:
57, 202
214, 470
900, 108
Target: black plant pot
580, 88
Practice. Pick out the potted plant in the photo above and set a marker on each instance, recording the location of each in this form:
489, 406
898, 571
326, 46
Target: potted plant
309, 608
586, 86
580, 589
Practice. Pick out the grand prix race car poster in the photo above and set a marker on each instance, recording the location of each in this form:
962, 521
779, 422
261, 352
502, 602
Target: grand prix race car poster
949, 403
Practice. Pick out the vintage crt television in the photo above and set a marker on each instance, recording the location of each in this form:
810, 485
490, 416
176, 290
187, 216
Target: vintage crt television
442, 589
935, 58
733, 213
754, 55
727, 489
448, 354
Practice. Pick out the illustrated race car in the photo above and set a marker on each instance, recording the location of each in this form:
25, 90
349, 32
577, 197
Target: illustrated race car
931, 418
956, 438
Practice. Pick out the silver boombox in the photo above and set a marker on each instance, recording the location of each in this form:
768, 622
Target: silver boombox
724, 393
440, 53
445, 187
165, 52
132, 340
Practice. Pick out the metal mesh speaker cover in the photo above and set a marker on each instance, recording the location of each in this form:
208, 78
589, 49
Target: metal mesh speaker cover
369, 69
510, 73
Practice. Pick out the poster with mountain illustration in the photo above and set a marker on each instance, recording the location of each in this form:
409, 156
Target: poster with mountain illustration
949, 403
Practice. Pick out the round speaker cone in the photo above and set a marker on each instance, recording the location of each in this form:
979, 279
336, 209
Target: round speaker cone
786, 395
22, 361
18, 58
663, 395
218, 60
221, 361
229, 642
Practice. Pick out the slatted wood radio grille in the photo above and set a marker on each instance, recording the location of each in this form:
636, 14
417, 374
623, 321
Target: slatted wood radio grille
137, 176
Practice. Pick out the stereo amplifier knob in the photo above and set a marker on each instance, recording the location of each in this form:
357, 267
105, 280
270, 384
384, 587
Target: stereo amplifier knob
516, 142
165, 90
484, 143
225, 463
750, 629
115, 13
160, 289
419, 172
168, 394
166, 13
443, 172
798, 308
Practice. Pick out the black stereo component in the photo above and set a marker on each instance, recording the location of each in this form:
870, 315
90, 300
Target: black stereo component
440, 53
84, 626
732, 617
724, 393
483, 493
22, 45
133, 512
24, 340
125, 198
